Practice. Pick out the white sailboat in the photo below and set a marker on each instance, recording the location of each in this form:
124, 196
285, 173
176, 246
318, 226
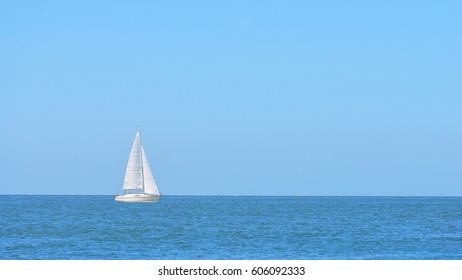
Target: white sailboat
139, 184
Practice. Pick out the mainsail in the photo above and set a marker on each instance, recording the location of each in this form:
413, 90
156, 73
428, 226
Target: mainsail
134, 172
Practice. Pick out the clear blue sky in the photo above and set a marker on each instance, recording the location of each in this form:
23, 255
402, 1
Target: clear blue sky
232, 97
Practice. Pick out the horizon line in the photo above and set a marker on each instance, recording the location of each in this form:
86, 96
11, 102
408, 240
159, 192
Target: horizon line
244, 195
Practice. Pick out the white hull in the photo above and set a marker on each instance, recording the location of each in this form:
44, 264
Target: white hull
137, 198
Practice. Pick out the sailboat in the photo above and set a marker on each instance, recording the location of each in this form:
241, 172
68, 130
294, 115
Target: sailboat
139, 184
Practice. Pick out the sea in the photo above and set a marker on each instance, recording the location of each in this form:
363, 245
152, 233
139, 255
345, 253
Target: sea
55, 227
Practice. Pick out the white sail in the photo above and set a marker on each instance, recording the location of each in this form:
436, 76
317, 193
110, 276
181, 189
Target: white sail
139, 184
150, 186
134, 172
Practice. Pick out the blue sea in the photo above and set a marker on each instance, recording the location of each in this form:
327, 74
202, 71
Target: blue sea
228, 227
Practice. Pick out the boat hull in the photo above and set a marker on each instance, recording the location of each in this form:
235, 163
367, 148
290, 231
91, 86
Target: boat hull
137, 198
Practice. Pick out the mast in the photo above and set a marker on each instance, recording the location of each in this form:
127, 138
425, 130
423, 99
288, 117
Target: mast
141, 161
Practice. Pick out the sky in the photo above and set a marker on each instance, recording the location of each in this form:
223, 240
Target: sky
232, 97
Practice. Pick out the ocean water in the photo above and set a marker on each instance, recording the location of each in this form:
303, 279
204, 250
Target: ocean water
221, 227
